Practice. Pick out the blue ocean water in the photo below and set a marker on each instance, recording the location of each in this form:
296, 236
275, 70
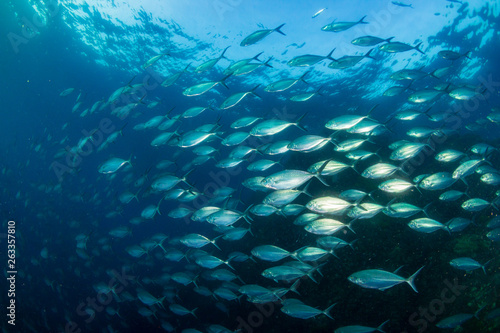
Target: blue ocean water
65, 209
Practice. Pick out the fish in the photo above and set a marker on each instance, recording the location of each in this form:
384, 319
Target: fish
287, 273
250, 67
274, 126
464, 93
451, 195
494, 235
457, 320
394, 91
454, 321
342, 26
194, 111
319, 12
396, 186
244, 122
408, 151
240, 63
209, 261
113, 164
194, 138
381, 280
305, 96
271, 253
467, 168
181, 311
324, 226
437, 181
452, 55
425, 96
285, 84
153, 60
449, 155
167, 182
404, 210
66, 92
477, 204
201, 88
237, 97
370, 41
468, 264
408, 74
347, 121
380, 170
458, 224
258, 35
210, 63
360, 329
198, 241
171, 79
226, 217
262, 165
331, 168
291, 179
308, 143
284, 197
396, 47
349, 61
309, 60
427, 225
401, 4
303, 311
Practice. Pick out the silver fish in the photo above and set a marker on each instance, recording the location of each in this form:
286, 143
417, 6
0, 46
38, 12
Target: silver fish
342, 26
258, 35
381, 280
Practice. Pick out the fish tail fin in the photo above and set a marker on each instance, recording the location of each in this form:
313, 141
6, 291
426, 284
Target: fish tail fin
246, 216
192, 312
362, 20
223, 81
257, 57
320, 170
476, 314
411, 279
379, 328
253, 91
369, 114
278, 29
367, 55
310, 275
484, 266
305, 190
185, 176
215, 244
229, 265
297, 123
303, 76
426, 208
327, 311
351, 244
417, 47
388, 40
223, 52
467, 54
329, 56
267, 62
294, 287
349, 226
